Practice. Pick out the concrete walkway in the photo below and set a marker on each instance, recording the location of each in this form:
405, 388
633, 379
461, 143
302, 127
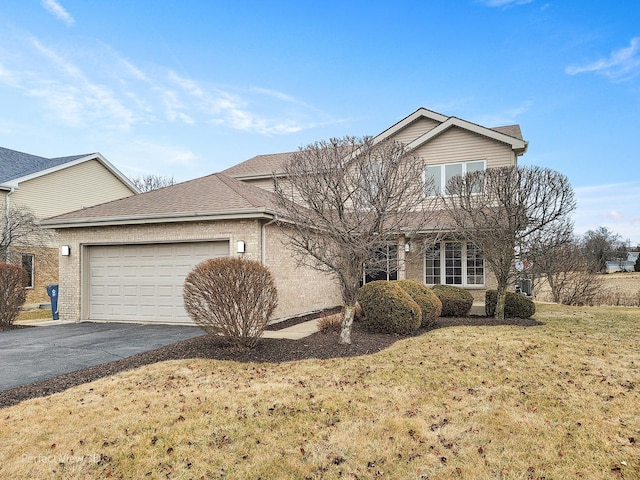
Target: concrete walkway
295, 332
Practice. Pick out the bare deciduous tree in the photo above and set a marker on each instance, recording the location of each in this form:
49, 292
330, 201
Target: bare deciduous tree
508, 208
346, 199
20, 229
565, 269
146, 183
13, 280
601, 245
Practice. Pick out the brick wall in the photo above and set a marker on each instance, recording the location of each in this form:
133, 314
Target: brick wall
300, 289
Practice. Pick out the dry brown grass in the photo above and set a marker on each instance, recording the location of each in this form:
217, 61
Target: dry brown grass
619, 289
330, 323
554, 401
37, 314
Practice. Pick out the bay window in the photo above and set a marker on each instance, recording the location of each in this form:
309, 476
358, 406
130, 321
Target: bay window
454, 263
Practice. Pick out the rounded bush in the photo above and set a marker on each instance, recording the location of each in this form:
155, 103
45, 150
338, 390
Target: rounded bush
388, 308
231, 297
456, 302
516, 305
429, 303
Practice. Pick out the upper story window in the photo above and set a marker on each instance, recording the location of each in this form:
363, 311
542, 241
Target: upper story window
436, 177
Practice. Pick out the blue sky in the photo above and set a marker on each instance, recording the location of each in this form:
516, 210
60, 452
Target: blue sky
190, 87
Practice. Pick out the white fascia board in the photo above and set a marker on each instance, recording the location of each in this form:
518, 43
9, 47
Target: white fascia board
259, 176
420, 113
94, 156
168, 218
389, 132
515, 143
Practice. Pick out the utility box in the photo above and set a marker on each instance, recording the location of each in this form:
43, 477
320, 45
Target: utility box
52, 291
524, 286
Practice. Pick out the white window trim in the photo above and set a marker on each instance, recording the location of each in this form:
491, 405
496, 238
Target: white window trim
442, 166
443, 268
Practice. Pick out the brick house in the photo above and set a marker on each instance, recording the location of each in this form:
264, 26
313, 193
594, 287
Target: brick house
47, 187
130, 256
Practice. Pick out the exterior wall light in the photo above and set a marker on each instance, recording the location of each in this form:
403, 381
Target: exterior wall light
65, 250
407, 247
240, 246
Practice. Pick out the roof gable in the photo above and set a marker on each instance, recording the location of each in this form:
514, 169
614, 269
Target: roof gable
510, 135
17, 167
518, 145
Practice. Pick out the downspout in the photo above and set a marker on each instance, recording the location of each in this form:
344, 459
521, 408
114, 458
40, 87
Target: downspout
263, 253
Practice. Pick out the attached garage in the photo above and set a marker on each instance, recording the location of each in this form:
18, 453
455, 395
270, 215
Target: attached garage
127, 260
142, 283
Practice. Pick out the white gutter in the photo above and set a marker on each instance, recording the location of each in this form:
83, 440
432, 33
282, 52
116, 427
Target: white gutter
157, 218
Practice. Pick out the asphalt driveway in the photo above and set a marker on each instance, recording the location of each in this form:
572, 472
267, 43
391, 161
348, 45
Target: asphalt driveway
29, 355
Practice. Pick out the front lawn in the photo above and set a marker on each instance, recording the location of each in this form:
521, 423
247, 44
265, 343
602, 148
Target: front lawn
560, 400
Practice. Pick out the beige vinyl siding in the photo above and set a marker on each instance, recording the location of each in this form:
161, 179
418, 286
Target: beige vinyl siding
414, 130
264, 183
83, 185
458, 145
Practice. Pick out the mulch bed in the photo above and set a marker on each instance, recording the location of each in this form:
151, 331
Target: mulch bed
318, 345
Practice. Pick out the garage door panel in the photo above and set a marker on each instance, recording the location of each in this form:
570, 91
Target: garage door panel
144, 282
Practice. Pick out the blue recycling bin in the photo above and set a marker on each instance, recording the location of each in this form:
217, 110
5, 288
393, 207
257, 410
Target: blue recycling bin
52, 291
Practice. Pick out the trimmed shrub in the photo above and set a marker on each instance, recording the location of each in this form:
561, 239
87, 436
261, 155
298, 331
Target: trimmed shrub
388, 308
13, 280
456, 302
516, 305
358, 314
231, 297
429, 303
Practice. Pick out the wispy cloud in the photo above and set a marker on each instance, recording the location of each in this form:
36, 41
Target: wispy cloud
622, 64
504, 3
505, 117
234, 110
73, 97
609, 205
93, 84
58, 11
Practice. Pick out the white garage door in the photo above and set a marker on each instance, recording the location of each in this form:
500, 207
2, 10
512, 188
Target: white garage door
144, 282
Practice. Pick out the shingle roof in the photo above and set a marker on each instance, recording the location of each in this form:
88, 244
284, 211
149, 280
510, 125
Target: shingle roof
260, 165
211, 195
511, 130
15, 164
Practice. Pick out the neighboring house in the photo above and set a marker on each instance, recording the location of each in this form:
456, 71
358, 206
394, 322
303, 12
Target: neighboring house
620, 265
130, 257
48, 187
